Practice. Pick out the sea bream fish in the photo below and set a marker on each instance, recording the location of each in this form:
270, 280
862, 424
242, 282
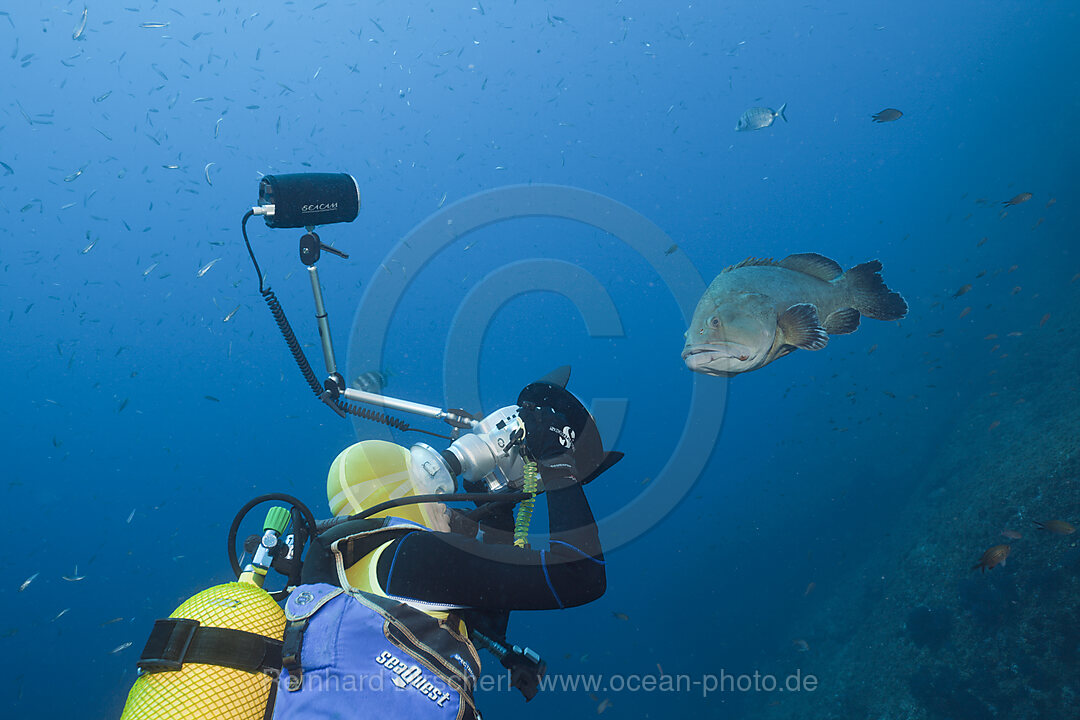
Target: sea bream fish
760, 310
757, 118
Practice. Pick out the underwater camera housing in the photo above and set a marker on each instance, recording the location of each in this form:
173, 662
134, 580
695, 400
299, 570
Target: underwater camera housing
308, 199
490, 453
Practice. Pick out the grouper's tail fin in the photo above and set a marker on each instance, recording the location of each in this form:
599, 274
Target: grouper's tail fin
869, 294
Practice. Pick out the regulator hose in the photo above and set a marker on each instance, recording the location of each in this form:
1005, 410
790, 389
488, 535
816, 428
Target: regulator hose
305, 513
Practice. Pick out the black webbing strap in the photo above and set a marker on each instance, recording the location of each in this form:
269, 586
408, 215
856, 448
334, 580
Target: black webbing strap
176, 641
290, 652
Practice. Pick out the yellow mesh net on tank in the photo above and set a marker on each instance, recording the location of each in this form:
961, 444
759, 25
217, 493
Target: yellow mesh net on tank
210, 691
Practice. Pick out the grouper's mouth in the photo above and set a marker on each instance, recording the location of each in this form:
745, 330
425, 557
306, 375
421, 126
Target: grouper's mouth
700, 357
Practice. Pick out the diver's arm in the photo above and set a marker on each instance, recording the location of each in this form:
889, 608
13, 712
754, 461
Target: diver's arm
445, 568
570, 517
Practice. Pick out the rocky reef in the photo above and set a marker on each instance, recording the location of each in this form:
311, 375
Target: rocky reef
915, 633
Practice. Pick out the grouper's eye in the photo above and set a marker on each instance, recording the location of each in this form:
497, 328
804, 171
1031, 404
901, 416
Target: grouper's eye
714, 322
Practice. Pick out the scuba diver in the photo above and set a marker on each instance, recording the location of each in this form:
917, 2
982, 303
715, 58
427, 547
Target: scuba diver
391, 607
386, 609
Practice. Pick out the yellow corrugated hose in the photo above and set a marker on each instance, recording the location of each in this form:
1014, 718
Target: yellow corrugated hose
525, 510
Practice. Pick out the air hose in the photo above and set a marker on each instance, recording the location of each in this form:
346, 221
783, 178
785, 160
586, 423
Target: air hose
525, 510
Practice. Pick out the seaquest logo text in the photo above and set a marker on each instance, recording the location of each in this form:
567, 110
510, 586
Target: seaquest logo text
411, 675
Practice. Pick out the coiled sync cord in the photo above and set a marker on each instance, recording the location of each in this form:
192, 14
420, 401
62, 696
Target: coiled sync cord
301, 359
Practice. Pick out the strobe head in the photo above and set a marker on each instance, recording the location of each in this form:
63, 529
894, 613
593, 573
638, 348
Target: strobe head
308, 199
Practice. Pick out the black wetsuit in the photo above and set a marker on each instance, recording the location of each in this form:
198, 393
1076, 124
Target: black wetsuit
447, 568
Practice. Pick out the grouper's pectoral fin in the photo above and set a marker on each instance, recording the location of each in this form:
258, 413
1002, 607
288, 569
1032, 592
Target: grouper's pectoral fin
842, 321
799, 327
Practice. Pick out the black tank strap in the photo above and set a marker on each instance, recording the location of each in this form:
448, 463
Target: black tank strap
176, 641
290, 652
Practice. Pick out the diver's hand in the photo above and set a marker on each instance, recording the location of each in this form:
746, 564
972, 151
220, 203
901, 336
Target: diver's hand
526, 668
547, 433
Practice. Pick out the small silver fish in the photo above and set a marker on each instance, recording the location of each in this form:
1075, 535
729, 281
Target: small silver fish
757, 118
75, 577
61, 614
89, 247
154, 25
206, 171
78, 31
120, 647
149, 270
206, 268
131, 516
27, 581
231, 313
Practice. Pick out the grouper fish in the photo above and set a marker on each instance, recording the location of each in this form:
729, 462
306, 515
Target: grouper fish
760, 310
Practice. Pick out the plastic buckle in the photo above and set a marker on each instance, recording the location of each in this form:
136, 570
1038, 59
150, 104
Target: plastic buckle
167, 645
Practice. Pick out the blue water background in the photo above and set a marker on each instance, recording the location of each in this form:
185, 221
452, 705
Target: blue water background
107, 368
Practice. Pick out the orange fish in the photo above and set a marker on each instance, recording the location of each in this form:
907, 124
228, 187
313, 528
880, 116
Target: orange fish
1016, 290
994, 556
809, 589
963, 289
1044, 319
1057, 527
993, 425
991, 336
1012, 534
1051, 201
1021, 198
964, 313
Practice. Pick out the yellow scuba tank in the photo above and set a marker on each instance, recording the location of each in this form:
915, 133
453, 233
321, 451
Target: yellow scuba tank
218, 655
